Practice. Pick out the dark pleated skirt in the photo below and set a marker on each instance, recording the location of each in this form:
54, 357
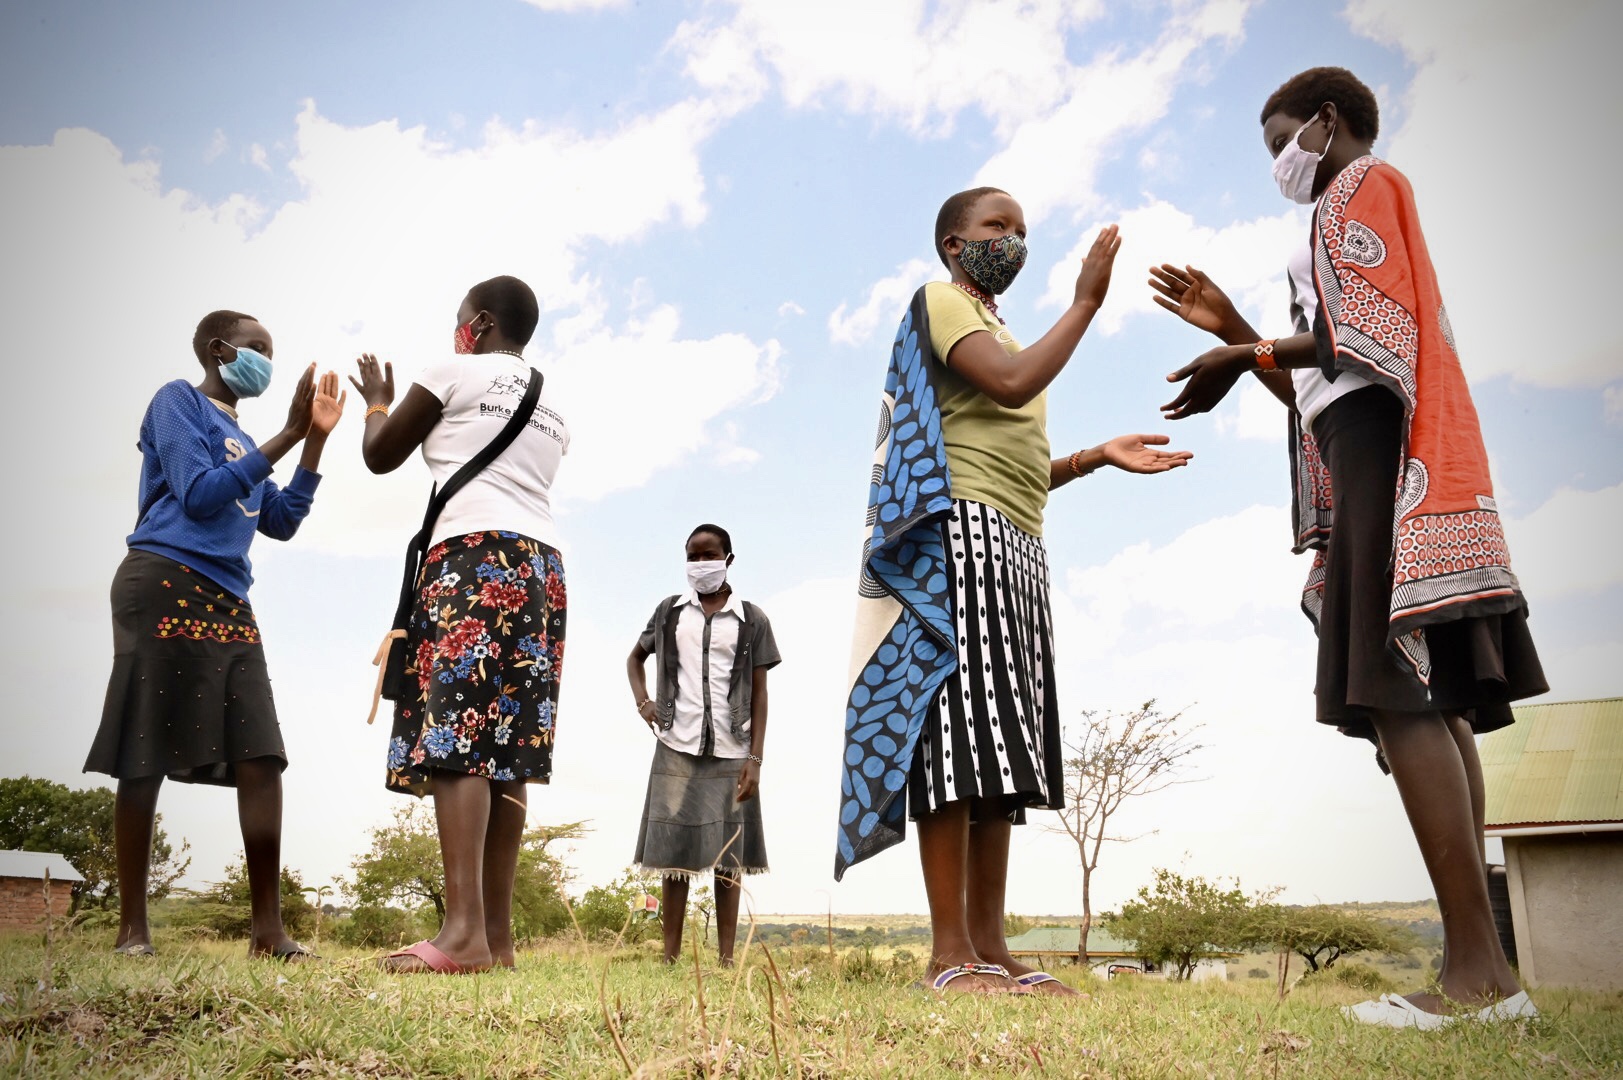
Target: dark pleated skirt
691, 821
488, 653
993, 729
189, 695
1479, 664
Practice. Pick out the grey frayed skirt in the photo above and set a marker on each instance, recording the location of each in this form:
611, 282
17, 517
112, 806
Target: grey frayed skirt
690, 816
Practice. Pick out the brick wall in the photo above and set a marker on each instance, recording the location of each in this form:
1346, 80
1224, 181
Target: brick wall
22, 902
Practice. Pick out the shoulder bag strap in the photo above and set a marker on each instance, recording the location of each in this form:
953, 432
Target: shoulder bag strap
442, 496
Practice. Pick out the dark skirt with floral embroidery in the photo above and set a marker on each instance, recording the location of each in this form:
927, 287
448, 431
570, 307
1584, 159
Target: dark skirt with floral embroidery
488, 649
189, 696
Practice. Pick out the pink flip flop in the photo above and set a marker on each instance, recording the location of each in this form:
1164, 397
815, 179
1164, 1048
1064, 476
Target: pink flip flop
438, 963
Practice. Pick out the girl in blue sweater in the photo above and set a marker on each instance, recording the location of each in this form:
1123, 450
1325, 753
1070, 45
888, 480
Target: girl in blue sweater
189, 697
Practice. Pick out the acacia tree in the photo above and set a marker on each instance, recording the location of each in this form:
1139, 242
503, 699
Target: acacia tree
1109, 758
77, 823
1321, 935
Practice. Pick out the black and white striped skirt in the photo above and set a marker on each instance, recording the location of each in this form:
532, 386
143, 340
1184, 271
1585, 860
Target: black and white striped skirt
994, 727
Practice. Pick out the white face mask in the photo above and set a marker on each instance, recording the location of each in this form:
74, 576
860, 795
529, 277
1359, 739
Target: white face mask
707, 576
1295, 168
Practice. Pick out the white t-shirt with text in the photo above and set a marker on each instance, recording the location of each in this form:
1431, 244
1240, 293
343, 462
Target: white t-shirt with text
478, 394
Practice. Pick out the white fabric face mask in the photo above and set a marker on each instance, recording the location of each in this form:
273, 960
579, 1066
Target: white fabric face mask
1295, 168
707, 576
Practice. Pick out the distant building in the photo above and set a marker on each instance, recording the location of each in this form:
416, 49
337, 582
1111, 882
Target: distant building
1048, 946
1554, 784
22, 888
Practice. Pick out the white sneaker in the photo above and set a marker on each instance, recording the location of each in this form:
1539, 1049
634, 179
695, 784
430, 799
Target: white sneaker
1516, 1007
1390, 1010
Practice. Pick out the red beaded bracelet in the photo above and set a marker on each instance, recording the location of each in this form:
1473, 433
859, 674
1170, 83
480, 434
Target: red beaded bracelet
1264, 352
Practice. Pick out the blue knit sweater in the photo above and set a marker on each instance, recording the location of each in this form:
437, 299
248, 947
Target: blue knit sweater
206, 489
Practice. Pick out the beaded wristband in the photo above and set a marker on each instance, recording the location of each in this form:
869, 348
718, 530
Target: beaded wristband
755, 758
1075, 462
384, 409
1264, 352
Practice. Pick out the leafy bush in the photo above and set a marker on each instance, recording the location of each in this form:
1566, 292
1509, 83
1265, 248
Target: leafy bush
220, 920
861, 966
376, 926
1359, 977
1258, 973
606, 911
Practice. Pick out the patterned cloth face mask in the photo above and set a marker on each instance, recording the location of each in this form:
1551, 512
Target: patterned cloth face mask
248, 375
992, 264
465, 339
1295, 168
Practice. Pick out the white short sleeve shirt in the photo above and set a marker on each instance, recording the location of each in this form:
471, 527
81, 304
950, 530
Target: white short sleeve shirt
477, 395
706, 648
1313, 390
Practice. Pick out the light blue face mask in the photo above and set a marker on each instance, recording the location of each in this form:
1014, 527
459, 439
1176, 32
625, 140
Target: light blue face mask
249, 374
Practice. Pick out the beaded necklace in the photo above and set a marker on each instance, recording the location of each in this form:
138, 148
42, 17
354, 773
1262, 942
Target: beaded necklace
986, 301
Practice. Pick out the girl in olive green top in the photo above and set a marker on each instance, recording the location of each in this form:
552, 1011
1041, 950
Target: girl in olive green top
990, 744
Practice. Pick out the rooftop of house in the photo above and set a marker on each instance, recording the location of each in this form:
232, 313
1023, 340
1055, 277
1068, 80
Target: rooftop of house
1559, 767
34, 864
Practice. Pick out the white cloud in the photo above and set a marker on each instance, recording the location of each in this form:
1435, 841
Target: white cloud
1554, 549
1051, 161
259, 158
1507, 286
1245, 258
895, 60
789, 307
389, 231
885, 299
218, 145
1254, 414
1612, 400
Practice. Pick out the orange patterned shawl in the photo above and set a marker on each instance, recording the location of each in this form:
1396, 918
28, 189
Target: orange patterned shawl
1381, 315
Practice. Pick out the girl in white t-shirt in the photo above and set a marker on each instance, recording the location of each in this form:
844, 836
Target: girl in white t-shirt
487, 633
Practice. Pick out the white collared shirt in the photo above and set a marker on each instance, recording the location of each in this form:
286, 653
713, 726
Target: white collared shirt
705, 650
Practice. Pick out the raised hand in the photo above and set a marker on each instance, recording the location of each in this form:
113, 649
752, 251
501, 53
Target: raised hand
299, 410
1211, 375
1094, 281
375, 386
1194, 298
1137, 454
328, 405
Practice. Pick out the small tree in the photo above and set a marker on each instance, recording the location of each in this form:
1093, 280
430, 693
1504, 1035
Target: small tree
1321, 935
77, 823
1184, 920
1110, 758
403, 866
615, 910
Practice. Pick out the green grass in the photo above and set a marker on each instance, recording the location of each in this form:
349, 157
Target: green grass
202, 1009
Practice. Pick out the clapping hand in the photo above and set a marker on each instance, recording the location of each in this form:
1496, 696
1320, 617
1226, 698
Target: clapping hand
327, 406
299, 410
375, 386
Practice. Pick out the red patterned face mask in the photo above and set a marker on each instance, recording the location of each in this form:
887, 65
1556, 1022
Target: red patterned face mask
465, 338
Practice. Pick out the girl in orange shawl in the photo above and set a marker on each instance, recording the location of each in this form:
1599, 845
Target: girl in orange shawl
1423, 639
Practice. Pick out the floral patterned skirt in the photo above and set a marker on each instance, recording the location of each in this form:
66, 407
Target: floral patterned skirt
488, 635
189, 695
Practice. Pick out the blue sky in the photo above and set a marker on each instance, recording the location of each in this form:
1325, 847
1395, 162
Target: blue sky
724, 206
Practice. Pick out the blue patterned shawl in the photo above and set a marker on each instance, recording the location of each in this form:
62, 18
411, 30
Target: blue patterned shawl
903, 646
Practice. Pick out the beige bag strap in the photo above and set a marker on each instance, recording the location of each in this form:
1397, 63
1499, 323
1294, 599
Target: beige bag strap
378, 662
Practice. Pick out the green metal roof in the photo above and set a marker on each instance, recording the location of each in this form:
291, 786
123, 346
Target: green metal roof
1560, 763
1063, 939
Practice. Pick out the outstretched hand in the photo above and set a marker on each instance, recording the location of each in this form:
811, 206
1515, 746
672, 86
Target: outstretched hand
327, 407
1194, 298
1211, 375
1094, 280
1137, 454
